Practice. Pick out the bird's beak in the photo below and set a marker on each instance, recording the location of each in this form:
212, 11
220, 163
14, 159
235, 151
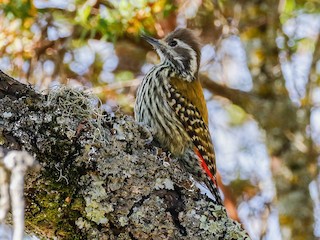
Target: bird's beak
154, 42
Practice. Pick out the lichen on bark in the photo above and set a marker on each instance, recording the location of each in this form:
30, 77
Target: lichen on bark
100, 177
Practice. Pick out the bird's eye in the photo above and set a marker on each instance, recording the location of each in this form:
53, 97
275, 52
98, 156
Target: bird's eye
172, 43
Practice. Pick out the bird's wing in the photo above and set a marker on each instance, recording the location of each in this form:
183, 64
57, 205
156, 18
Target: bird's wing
197, 129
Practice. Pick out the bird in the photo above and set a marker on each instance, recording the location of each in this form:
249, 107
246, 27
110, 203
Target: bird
170, 101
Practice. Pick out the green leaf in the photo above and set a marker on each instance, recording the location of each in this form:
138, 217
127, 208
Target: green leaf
236, 114
124, 76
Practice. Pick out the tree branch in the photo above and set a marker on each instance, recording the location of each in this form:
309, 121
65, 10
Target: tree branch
99, 176
243, 99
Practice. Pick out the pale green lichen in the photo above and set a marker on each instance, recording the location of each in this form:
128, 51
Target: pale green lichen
208, 225
123, 221
95, 208
82, 223
164, 184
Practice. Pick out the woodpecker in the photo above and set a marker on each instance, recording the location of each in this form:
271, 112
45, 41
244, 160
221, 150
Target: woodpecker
170, 101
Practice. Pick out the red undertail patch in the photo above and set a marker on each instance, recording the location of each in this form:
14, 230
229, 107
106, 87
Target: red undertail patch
205, 166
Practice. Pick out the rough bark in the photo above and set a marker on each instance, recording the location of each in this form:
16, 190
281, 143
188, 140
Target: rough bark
100, 177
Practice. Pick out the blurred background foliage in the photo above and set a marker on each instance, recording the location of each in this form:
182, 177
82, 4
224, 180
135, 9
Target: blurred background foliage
260, 68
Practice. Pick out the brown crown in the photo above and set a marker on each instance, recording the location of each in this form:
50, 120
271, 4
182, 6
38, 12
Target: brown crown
187, 36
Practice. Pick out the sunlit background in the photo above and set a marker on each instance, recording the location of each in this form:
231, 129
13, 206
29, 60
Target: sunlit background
264, 104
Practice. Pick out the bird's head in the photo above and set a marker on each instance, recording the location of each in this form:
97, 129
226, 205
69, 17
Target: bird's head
181, 50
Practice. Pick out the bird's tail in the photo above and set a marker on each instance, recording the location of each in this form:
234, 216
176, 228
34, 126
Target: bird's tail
209, 178
212, 184
188, 160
